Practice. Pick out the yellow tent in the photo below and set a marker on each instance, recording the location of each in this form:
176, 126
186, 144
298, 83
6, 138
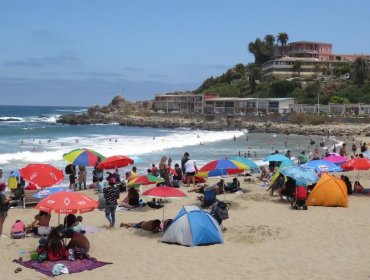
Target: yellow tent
329, 191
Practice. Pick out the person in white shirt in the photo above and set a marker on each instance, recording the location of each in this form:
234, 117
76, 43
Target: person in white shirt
190, 171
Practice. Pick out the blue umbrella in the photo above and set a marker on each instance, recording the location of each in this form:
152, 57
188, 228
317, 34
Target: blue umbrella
48, 191
298, 173
367, 154
246, 161
322, 166
15, 173
278, 157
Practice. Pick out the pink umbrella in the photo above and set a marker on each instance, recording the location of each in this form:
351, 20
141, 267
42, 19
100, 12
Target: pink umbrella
335, 158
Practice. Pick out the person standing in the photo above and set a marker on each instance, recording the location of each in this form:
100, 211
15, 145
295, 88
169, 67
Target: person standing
82, 177
190, 170
183, 160
163, 171
343, 151
4, 206
111, 194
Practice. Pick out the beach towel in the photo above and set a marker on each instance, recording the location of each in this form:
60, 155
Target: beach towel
91, 229
72, 266
122, 208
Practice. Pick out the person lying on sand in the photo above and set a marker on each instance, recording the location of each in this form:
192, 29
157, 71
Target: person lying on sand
200, 188
152, 225
358, 188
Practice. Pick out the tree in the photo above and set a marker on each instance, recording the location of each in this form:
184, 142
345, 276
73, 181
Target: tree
360, 68
240, 68
270, 39
254, 74
282, 38
261, 50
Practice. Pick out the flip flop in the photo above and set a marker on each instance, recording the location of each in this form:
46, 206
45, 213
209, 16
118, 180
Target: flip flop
18, 270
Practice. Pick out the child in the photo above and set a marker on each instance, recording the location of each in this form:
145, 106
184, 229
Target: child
18, 230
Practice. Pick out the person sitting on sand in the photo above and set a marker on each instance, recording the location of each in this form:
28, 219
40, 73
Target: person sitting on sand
358, 188
77, 240
55, 245
348, 184
153, 225
233, 186
40, 225
73, 222
265, 174
132, 199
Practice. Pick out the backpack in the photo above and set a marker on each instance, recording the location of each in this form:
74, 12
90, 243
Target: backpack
219, 210
69, 169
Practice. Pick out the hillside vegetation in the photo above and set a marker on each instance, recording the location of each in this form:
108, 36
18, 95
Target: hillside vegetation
247, 80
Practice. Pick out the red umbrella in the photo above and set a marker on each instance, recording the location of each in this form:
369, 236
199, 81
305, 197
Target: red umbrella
357, 164
43, 175
164, 192
67, 203
114, 162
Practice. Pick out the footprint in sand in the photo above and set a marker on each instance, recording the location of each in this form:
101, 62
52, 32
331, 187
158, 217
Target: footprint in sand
254, 234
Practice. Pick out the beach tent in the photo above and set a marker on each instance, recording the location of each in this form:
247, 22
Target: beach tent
192, 227
329, 191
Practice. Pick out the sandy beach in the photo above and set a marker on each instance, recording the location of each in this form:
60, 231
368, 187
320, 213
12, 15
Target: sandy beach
265, 238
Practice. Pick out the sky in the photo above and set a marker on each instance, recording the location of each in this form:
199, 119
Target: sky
85, 52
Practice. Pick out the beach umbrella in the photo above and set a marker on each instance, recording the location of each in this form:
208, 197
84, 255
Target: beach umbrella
67, 203
356, 164
222, 167
46, 192
42, 175
136, 159
165, 193
280, 158
335, 158
15, 173
322, 166
114, 162
298, 173
246, 161
83, 157
144, 180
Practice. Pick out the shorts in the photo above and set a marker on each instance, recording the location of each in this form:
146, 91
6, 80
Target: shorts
138, 225
43, 230
72, 179
3, 215
190, 173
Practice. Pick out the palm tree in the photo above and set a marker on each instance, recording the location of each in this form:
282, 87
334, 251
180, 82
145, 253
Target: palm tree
270, 39
254, 74
360, 68
261, 51
283, 38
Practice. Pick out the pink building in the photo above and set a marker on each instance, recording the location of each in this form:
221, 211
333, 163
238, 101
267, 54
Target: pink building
320, 51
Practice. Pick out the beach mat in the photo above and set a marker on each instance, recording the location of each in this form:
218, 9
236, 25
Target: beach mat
91, 229
73, 266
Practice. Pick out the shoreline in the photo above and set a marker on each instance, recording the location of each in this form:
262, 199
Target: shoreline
221, 123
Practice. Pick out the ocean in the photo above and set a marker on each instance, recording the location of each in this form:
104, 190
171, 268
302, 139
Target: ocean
30, 134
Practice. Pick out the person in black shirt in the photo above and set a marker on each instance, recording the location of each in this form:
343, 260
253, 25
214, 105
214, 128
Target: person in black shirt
111, 194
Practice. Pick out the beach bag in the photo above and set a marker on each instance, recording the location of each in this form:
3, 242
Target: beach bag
68, 169
219, 211
301, 193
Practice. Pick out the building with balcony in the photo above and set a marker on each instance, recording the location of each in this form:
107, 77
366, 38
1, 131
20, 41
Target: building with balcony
187, 103
306, 49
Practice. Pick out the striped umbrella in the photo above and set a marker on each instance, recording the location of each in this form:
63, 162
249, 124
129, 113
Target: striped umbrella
246, 161
222, 167
144, 180
83, 157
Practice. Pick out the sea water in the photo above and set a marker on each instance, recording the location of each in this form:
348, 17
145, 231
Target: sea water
30, 134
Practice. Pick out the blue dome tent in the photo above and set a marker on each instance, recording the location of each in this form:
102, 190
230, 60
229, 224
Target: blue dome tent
192, 227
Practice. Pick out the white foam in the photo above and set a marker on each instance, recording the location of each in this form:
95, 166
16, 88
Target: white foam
12, 119
107, 145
